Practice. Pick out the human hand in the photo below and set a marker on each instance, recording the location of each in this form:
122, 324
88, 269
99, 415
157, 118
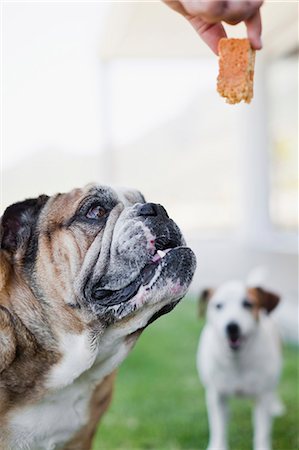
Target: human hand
206, 17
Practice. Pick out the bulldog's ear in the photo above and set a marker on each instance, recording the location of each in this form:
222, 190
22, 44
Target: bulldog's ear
267, 300
18, 222
203, 299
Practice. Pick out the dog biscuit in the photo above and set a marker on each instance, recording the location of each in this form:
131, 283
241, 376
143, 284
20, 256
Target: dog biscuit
236, 70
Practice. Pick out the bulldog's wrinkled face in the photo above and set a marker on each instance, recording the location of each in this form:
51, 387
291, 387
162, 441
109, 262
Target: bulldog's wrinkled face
99, 249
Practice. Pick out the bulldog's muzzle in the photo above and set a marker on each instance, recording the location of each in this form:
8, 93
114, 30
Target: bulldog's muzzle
146, 256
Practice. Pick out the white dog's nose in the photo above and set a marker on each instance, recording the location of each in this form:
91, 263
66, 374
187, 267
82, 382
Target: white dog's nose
233, 332
233, 329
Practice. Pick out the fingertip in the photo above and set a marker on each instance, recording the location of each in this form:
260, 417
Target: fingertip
215, 50
213, 44
254, 31
210, 33
256, 43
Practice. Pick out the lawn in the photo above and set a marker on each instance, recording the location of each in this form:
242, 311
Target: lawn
159, 403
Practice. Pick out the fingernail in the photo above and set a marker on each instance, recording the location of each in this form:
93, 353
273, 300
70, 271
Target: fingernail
259, 43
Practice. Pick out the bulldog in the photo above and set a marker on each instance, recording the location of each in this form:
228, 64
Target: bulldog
82, 275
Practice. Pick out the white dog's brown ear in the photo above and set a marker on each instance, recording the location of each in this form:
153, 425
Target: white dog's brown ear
267, 300
203, 299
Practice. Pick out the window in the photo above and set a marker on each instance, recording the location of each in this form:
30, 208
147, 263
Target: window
283, 112
174, 139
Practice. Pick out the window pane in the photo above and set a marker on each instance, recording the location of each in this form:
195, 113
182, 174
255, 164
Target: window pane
283, 90
174, 138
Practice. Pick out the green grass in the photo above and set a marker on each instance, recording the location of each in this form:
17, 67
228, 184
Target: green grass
159, 403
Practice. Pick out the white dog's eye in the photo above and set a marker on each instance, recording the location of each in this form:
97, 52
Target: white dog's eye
246, 304
96, 212
219, 306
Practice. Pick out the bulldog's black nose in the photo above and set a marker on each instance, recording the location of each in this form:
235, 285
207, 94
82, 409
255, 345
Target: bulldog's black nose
152, 209
233, 329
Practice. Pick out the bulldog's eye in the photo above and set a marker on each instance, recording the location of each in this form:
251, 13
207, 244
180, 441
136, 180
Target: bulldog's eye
219, 306
96, 212
247, 304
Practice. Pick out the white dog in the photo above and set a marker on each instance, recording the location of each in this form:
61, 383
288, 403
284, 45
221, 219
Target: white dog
239, 354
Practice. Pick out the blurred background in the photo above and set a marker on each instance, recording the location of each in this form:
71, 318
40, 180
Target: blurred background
124, 93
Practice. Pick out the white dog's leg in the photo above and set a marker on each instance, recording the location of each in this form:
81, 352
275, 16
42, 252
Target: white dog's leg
217, 413
262, 420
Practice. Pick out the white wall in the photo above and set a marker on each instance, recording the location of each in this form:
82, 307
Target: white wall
51, 94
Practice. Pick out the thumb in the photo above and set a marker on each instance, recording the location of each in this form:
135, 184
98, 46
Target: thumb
210, 33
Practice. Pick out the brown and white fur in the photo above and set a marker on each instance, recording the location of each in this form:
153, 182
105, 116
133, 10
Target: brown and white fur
239, 354
81, 275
